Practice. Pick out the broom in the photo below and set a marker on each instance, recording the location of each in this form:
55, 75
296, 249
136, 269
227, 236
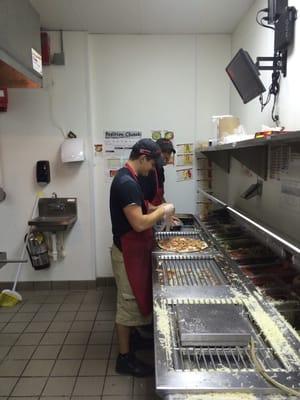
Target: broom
9, 298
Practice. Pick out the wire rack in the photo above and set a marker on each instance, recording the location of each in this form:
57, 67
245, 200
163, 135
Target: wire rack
196, 234
223, 358
190, 271
279, 160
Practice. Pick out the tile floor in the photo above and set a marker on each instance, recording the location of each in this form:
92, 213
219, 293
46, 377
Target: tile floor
58, 345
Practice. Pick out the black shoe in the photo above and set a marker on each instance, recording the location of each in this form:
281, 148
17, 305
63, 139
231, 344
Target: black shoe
128, 364
138, 342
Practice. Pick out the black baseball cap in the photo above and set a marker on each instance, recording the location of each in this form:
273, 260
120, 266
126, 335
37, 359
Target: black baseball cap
166, 146
148, 148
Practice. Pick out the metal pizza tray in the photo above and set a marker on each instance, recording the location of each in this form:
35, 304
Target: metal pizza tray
212, 325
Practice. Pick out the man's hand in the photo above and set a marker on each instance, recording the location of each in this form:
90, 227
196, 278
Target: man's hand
169, 209
175, 220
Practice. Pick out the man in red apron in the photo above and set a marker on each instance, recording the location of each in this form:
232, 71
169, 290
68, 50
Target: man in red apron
131, 251
153, 184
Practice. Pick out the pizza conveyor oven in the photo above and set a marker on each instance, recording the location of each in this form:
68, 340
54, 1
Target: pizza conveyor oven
212, 325
276, 278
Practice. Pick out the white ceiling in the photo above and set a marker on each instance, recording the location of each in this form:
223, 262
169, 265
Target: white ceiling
142, 16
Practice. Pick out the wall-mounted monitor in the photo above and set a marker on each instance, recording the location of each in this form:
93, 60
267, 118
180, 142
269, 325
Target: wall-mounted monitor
245, 76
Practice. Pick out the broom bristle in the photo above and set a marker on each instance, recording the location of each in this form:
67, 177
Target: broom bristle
9, 298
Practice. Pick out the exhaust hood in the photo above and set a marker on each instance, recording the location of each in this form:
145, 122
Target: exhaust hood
20, 45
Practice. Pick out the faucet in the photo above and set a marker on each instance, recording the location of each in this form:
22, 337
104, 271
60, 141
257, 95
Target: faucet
56, 205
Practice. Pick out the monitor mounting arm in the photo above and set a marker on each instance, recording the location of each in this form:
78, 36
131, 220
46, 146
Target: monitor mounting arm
279, 62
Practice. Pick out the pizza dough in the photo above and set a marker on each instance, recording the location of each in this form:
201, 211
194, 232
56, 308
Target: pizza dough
182, 244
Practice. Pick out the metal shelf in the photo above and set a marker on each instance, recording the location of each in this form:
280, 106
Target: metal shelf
252, 153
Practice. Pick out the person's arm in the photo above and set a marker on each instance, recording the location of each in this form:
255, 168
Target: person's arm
151, 208
140, 222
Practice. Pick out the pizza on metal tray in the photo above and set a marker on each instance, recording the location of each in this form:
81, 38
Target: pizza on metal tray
182, 244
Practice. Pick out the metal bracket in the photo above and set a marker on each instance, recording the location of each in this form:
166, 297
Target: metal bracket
253, 190
279, 63
256, 159
221, 158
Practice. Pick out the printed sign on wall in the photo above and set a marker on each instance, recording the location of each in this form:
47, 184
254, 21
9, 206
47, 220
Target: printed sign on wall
184, 174
117, 148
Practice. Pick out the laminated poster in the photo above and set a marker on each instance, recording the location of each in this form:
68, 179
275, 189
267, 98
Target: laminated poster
184, 159
112, 166
120, 143
114, 163
184, 174
186, 148
117, 147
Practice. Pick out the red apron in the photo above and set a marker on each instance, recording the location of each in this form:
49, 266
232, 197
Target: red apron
136, 249
159, 195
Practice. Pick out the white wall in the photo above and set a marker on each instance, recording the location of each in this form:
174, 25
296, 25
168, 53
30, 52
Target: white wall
109, 82
270, 208
259, 41
28, 134
154, 82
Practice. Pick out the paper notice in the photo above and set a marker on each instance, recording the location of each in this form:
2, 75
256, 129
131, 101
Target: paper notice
184, 159
186, 148
184, 174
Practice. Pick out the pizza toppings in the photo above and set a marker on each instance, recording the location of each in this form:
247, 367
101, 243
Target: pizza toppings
182, 244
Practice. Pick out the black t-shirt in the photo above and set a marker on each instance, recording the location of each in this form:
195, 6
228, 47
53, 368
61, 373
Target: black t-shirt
148, 183
125, 190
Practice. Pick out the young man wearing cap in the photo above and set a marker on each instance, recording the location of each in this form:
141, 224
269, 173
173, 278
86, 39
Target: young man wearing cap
131, 251
153, 184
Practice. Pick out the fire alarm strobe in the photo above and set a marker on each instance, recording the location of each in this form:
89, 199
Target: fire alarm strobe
3, 99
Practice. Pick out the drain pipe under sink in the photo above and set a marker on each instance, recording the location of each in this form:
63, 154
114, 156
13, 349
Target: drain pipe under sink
60, 247
57, 249
53, 247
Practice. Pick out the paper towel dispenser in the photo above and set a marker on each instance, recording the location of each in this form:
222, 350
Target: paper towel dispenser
72, 150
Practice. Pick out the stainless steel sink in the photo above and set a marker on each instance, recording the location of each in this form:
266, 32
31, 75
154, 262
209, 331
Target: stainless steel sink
55, 214
4, 260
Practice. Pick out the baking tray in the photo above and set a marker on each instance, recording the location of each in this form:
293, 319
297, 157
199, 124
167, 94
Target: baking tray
212, 325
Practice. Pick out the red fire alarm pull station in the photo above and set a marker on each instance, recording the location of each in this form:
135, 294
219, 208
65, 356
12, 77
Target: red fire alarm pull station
45, 45
3, 99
